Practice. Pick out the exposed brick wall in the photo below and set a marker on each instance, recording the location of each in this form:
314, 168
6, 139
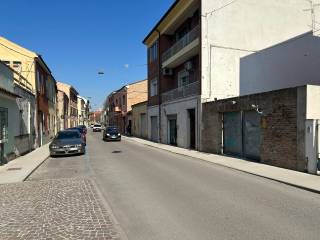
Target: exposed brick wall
279, 135
279, 132
211, 139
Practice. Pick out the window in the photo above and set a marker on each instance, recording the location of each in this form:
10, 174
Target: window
153, 87
49, 122
123, 100
183, 78
41, 83
16, 64
6, 63
153, 52
183, 32
38, 81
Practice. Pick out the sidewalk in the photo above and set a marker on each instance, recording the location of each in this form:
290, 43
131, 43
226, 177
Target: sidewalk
293, 178
20, 168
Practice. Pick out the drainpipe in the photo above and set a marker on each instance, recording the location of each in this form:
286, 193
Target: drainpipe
318, 145
159, 85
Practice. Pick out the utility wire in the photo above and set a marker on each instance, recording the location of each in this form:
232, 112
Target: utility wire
232, 48
15, 51
220, 8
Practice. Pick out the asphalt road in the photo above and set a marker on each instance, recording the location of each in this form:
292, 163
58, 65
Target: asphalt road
157, 195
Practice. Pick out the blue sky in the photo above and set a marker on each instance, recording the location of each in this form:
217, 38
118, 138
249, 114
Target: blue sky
77, 38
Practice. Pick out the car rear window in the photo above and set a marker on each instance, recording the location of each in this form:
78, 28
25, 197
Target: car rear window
68, 135
113, 129
75, 129
97, 125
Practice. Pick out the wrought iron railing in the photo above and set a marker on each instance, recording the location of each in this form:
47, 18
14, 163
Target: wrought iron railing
182, 92
181, 43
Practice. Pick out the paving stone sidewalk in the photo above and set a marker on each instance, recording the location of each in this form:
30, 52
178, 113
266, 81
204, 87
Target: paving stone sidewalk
54, 209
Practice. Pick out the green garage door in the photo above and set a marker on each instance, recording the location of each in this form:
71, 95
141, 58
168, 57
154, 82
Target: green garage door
242, 134
232, 134
251, 134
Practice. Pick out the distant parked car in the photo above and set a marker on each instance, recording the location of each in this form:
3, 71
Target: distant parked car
97, 128
83, 127
67, 142
91, 125
82, 131
111, 134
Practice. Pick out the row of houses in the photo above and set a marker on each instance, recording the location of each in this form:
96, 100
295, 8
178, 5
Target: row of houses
118, 105
236, 78
33, 105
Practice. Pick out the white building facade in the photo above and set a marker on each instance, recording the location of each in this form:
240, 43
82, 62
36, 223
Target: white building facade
194, 55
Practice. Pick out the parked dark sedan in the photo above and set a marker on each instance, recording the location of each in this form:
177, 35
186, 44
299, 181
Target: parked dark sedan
111, 134
82, 131
67, 142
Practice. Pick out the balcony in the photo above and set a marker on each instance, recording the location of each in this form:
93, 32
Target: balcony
117, 109
189, 90
24, 83
186, 47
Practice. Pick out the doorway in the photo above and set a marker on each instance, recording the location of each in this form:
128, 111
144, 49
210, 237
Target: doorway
3, 132
251, 135
173, 131
143, 124
192, 128
232, 133
154, 128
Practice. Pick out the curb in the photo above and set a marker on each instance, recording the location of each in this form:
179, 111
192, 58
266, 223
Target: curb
222, 165
34, 169
117, 226
38, 164
26, 164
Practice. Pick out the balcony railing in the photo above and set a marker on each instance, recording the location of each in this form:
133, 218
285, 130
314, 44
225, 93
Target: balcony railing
180, 44
182, 92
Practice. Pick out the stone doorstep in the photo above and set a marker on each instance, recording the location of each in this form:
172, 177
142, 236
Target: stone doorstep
293, 178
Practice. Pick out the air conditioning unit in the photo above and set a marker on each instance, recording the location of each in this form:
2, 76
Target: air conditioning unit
188, 66
167, 72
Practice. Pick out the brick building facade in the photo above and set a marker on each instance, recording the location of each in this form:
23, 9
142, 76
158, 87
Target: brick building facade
267, 127
119, 104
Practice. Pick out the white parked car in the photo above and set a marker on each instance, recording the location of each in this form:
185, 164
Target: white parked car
97, 128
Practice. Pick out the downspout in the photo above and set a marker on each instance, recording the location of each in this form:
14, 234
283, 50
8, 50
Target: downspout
317, 146
36, 123
199, 101
159, 86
